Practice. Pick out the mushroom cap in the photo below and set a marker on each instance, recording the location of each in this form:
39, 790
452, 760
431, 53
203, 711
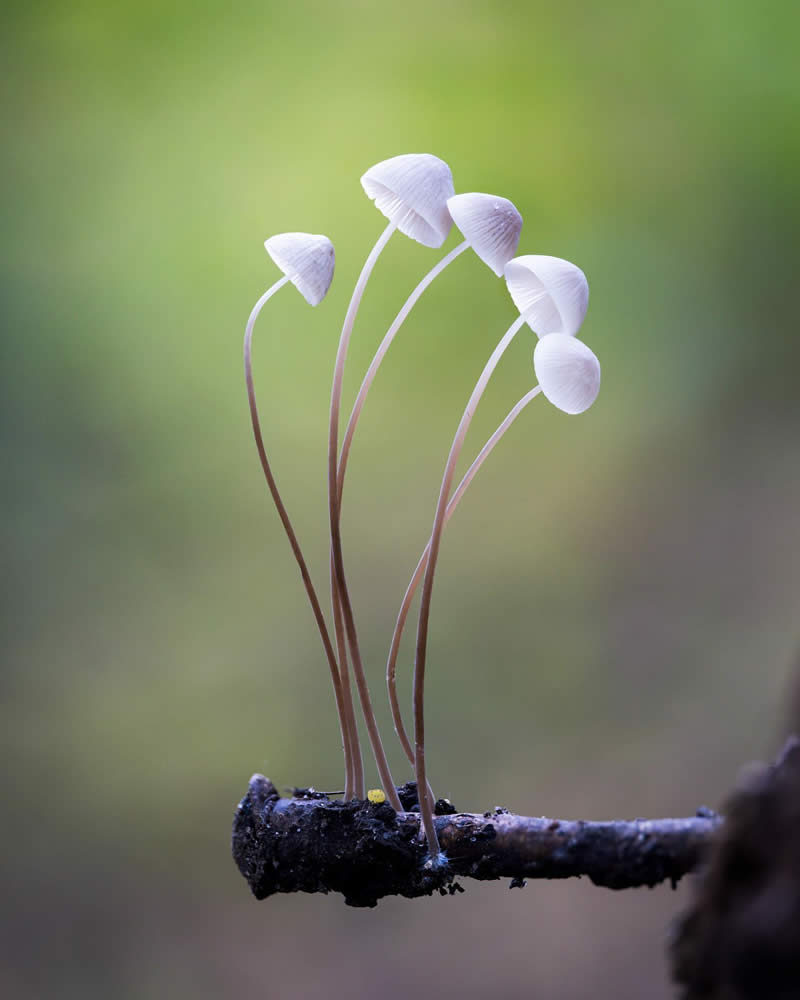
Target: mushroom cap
568, 372
412, 191
307, 260
552, 293
490, 224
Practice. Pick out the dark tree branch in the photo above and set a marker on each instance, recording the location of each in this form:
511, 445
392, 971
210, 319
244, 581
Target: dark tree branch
310, 843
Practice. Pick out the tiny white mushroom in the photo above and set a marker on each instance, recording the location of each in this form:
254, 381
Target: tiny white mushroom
412, 191
568, 372
491, 225
551, 293
306, 260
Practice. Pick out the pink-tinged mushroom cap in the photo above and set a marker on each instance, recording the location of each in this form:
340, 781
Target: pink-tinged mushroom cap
551, 293
490, 224
568, 372
412, 191
307, 260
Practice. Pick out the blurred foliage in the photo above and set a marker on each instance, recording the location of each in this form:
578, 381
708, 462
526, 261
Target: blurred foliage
616, 606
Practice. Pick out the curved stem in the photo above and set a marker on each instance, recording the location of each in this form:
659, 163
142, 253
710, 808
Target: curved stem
425, 798
385, 344
356, 789
336, 541
469, 475
341, 653
287, 524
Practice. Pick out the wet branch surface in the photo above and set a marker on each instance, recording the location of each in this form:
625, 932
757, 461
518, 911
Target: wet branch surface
309, 843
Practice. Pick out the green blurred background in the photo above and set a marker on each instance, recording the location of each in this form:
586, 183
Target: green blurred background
615, 620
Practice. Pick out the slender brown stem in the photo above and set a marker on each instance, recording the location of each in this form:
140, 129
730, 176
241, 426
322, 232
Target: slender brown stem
340, 583
287, 525
341, 654
425, 797
356, 789
469, 475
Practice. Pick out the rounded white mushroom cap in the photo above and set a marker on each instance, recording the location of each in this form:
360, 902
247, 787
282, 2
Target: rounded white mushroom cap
568, 372
490, 224
412, 191
552, 293
307, 260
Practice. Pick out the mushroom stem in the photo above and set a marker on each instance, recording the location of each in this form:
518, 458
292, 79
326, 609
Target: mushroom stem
287, 524
458, 493
425, 798
385, 344
355, 788
339, 582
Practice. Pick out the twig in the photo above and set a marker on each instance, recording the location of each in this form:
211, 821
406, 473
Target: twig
367, 851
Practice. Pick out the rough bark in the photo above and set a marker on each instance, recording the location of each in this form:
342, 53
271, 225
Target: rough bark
309, 843
740, 939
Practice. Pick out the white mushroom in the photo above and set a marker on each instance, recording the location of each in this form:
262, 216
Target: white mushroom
412, 191
551, 293
306, 260
568, 372
491, 226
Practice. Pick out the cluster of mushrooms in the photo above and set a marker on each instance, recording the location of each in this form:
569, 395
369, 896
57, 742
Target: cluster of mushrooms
415, 192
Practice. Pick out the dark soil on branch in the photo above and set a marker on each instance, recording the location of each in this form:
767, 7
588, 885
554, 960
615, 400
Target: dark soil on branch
365, 851
314, 844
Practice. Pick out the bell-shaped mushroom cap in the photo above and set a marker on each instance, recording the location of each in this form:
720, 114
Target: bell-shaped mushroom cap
491, 225
552, 293
568, 372
412, 191
307, 260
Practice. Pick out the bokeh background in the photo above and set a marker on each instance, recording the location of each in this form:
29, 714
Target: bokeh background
615, 621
